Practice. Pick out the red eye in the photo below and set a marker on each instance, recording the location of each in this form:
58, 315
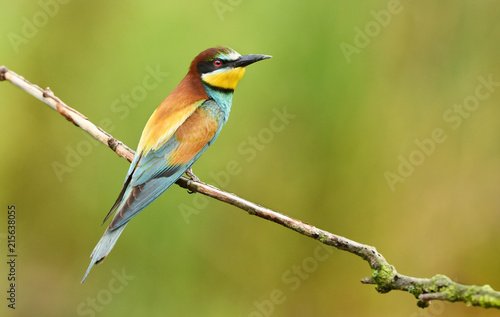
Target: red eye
217, 63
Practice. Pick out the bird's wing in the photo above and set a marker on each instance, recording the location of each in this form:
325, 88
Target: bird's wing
158, 168
159, 128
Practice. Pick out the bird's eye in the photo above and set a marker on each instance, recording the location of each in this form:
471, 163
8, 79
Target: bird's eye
217, 63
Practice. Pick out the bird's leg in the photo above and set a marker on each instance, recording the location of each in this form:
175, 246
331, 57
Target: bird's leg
191, 175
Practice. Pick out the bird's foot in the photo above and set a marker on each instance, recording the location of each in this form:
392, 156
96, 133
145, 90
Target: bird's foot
193, 177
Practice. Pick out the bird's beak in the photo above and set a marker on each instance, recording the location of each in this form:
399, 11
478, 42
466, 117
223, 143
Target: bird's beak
246, 60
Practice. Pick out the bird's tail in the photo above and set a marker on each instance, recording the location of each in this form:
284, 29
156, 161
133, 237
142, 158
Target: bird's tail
103, 247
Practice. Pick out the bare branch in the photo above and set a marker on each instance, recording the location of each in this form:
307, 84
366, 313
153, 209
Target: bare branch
384, 275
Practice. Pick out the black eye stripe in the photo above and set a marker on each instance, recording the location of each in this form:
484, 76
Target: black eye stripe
207, 67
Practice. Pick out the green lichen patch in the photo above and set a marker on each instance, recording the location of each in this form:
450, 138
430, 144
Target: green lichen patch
384, 278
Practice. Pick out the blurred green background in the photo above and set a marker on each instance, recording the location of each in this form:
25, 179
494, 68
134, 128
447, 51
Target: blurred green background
363, 82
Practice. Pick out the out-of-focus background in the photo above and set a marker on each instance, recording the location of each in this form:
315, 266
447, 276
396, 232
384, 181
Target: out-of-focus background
377, 121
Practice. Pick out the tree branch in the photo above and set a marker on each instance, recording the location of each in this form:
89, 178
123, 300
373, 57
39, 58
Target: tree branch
384, 275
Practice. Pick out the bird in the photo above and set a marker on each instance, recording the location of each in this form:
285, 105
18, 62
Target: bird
183, 126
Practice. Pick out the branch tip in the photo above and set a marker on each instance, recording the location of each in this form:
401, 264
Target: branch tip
3, 70
367, 280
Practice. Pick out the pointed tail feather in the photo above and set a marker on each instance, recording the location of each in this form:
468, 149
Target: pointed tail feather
103, 247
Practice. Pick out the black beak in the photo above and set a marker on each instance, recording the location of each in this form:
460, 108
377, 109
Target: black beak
246, 60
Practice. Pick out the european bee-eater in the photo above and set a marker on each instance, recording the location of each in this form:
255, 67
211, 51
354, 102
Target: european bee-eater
177, 133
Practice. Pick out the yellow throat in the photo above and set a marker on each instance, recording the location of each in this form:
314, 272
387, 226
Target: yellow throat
224, 78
